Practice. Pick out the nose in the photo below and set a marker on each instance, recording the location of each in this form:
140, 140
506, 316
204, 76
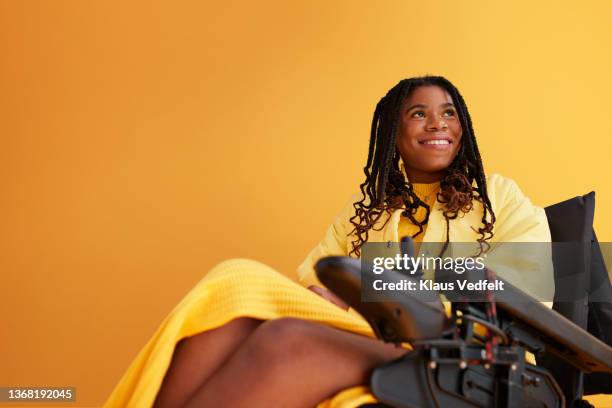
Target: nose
436, 123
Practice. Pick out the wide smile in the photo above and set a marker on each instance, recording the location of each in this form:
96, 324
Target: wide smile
443, 143
437, 142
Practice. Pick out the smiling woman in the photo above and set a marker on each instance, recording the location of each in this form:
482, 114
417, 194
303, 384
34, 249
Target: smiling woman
248, 336
423, 151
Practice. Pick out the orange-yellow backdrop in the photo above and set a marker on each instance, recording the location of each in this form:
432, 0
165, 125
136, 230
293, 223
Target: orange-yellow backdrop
143, 142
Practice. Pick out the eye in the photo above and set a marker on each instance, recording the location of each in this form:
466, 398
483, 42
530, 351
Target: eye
418, 114
449, 112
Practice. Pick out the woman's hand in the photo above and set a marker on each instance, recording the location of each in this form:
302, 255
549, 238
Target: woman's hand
329, 296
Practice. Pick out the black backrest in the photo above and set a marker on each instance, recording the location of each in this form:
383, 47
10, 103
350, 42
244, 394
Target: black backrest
600, 316
572, 221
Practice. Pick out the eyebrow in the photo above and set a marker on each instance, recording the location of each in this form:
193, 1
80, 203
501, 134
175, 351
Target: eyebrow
420, 105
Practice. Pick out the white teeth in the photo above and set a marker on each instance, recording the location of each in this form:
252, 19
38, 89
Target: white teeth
436, 142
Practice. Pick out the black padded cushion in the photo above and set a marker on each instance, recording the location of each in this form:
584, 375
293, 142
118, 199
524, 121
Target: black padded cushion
572, 221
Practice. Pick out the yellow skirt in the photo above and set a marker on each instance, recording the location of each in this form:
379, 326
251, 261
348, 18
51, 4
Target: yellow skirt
234, 288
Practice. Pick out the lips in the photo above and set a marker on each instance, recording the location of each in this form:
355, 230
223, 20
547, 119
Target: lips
436, 142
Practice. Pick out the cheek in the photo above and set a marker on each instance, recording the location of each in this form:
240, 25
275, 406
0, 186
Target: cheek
407, 134
455, 127
456, 149
405, 145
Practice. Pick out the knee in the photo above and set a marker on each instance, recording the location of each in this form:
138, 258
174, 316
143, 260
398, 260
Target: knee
284, 341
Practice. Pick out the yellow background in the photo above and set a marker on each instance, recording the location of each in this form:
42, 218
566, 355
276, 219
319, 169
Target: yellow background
143, 142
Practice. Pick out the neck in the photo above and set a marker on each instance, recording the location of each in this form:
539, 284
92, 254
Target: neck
422, 177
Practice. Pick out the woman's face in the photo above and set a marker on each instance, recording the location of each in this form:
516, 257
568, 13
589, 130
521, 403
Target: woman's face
429, 135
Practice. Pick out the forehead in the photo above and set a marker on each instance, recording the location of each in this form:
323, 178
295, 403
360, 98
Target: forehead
431, 95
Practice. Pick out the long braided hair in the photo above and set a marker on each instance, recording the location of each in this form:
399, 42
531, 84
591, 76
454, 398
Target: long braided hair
385, 187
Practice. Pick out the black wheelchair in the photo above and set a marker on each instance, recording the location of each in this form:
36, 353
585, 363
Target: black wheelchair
453, 365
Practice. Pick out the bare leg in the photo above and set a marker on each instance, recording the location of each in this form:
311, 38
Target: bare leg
196, 358
293, 363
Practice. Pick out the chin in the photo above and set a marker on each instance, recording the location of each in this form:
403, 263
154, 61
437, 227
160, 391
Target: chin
437, 168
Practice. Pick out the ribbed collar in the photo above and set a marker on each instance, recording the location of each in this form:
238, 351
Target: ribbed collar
426, 190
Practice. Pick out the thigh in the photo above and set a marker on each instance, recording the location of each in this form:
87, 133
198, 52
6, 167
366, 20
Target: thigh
196, 358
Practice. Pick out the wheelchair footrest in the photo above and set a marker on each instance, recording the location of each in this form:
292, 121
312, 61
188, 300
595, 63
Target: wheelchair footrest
416, 380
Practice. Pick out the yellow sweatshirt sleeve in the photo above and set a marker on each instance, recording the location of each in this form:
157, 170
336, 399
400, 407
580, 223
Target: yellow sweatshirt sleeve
518, 220
528, 266
336, 242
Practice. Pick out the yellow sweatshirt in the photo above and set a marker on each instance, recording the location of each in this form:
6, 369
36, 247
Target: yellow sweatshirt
517, 220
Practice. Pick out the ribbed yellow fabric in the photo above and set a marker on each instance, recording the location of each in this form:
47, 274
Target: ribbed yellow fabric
349, 398
232, 289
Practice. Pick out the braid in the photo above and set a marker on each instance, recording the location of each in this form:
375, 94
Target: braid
385, 188
476, 172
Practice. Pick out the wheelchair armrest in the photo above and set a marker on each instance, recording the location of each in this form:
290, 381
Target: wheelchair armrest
410, 318
402, 319
562, 337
